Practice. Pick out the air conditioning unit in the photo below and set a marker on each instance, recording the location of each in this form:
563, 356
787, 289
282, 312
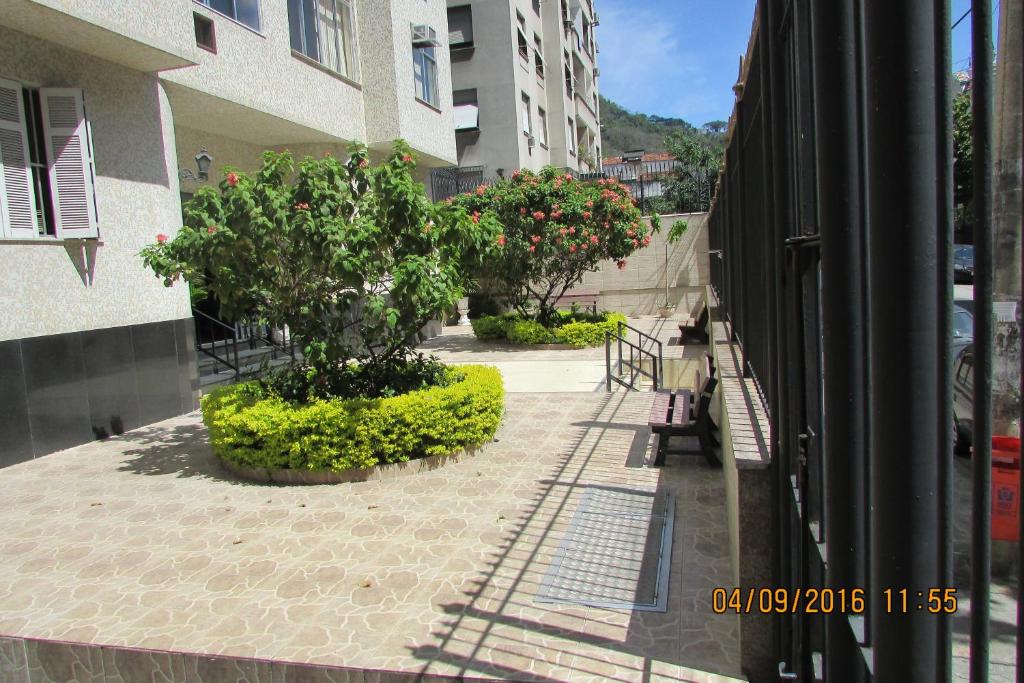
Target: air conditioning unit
531, 142
597, 19
424, 36
597, 72
567, 24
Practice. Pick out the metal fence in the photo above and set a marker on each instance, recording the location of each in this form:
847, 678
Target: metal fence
832, 226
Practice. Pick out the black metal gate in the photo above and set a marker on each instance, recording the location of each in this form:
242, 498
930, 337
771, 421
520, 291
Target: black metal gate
832, 228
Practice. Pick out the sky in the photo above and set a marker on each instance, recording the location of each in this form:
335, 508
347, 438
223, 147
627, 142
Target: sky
681, 57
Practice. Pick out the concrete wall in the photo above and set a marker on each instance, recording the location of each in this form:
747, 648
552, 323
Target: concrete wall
51, 286
639, 289
746, 466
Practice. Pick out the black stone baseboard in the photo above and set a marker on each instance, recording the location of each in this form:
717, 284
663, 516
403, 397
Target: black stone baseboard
64, 390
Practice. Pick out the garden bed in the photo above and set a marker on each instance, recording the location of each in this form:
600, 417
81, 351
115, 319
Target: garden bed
259, 435
570, 330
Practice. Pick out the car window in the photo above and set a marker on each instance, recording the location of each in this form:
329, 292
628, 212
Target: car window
963, 323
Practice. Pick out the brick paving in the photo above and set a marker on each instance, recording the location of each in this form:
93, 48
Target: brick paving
143, 541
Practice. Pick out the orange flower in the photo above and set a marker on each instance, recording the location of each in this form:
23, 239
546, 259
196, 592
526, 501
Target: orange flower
407, 158
572, 248
535, 239
533, 248
621, 264
232, 179
501, 240
363, 163
586, 215
212, 229
161, 238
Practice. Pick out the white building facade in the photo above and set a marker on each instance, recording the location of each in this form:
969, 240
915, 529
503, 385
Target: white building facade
525, 82
103, 109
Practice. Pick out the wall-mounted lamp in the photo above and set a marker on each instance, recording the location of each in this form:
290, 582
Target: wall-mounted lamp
203, 161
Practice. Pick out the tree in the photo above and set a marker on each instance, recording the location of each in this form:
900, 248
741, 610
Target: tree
353, 259
555, 230
962, 150
691, 184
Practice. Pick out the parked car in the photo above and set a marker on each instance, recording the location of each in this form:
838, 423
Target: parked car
963, 329
963, 401
963, 263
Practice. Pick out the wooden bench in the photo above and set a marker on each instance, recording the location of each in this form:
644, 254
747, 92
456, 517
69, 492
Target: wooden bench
674, 414
695, 330
586, 298
698, 385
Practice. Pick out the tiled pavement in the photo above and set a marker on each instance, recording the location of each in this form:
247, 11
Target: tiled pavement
143, 541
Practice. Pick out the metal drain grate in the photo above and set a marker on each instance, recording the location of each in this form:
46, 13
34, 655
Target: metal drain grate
616, 552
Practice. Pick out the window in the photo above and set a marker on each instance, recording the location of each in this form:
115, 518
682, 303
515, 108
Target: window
206, 36
460, 27
243, 11
539, 52
323, 30
527, 118
524, 44
424, 68
536, 7
568, 81
467, 110
46, 166
571, 137
542, 117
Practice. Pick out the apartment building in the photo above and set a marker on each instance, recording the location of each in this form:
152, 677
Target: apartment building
525, 81
106, 110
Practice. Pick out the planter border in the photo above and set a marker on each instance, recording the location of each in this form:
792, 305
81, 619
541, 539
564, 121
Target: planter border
264, 475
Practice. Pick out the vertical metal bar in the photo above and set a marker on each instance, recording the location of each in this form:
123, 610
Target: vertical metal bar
944, 371
984, 236
608, 360
905, 341
845, 427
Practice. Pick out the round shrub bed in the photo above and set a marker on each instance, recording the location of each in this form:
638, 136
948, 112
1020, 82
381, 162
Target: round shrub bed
252, 427
575, 329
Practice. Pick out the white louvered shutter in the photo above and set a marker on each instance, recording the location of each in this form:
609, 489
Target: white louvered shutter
17, 201
68, 152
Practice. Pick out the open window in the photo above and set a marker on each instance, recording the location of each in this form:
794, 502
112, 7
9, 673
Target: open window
467, 111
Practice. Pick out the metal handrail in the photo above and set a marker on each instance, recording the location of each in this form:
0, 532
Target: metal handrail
644, 336
230, 343
635, 369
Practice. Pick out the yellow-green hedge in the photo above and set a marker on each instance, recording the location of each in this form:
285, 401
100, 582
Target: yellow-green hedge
254, 430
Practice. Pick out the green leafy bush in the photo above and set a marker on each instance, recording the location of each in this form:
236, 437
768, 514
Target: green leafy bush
529, 332
492, 326
576, 328
252, 426
582, 334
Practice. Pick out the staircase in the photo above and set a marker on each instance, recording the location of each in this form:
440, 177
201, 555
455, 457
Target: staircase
233, 353
634, 365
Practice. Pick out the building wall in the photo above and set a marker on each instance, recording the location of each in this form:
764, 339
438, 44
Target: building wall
91, 343
493, 66
430, 131
639, 289
53, 287
259, 71
488, 67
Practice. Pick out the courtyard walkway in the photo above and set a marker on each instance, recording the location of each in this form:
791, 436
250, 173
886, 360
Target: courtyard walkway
143, 542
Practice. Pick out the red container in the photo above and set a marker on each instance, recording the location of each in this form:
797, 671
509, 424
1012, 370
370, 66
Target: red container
1005, 488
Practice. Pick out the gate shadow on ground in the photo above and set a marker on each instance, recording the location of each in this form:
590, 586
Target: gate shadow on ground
496, 629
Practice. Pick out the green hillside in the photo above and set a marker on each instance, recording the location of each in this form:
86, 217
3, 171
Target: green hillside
623, 130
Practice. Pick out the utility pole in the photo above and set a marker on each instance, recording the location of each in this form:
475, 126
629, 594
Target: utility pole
1006, 218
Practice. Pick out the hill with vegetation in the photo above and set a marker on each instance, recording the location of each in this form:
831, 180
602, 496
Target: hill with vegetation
623, 130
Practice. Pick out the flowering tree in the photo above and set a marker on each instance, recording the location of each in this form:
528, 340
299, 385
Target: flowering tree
555, 230
353, 258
